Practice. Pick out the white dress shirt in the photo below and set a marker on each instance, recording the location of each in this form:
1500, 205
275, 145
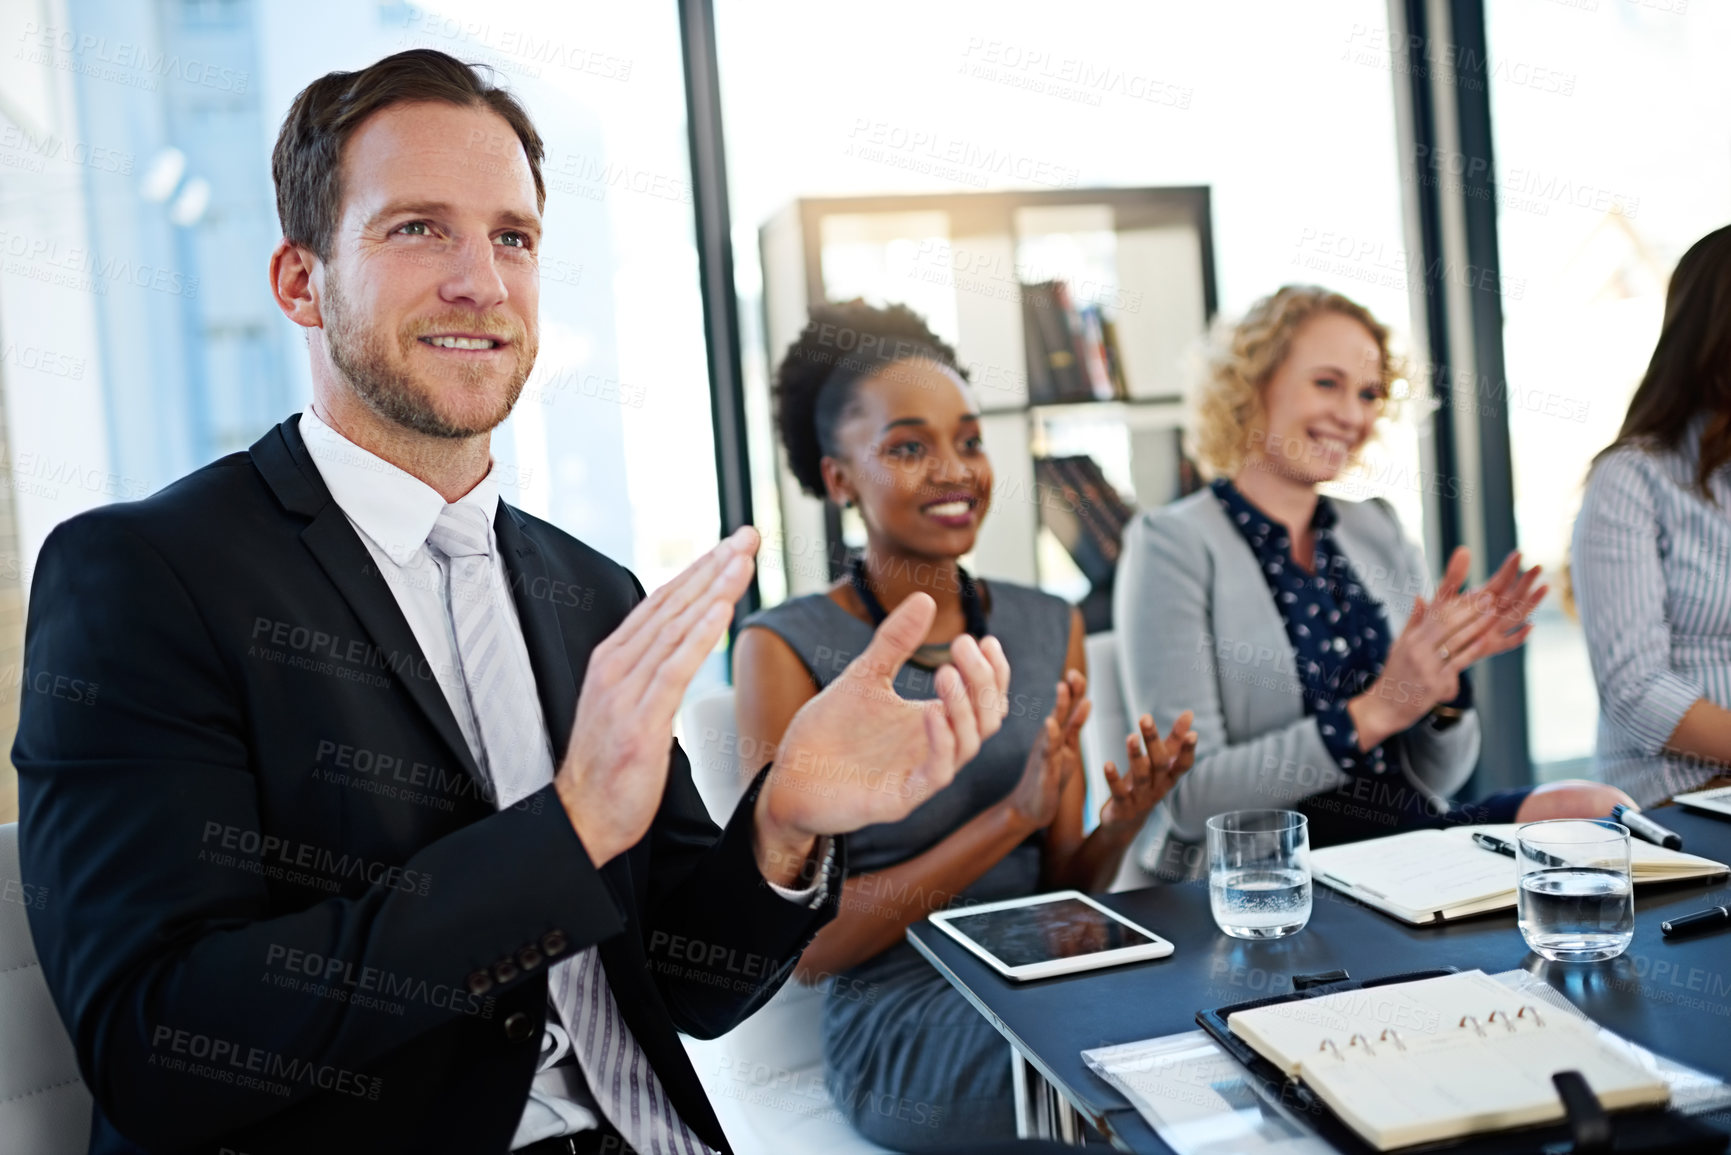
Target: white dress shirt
393, 512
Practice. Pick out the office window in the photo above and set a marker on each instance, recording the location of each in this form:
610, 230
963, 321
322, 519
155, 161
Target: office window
143, 237
138, 338
1284, 113
1598, 195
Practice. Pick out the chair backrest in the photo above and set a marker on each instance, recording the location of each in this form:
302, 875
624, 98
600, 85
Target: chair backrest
44, 1106
787, 1032
718, 766
1108, 722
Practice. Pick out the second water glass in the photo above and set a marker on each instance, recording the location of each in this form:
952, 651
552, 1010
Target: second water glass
1259, 872
1577, 902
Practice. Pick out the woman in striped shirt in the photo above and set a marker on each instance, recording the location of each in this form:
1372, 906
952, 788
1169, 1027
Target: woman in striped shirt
1652, 550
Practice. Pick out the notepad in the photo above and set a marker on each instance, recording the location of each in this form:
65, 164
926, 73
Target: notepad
1441, 1058
1435, 875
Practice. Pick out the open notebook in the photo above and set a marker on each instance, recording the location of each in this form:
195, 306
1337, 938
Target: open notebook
1433, 875
1441, 1058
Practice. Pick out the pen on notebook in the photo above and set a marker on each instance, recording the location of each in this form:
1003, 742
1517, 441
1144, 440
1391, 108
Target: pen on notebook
1713, 918
1643, 827
1497, 845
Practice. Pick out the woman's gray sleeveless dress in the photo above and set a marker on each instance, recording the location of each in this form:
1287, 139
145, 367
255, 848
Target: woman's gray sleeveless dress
910, 1063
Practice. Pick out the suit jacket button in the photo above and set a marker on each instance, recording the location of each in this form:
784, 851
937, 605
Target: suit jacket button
528, 958
504, 970
480, 983
553, 943
517, 1026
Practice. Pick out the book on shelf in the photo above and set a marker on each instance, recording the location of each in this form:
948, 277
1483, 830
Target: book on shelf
1114, 359
1072, 351
1084, 513
1054, 375
1091, 345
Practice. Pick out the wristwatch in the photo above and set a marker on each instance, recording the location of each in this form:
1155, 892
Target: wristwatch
1445, 717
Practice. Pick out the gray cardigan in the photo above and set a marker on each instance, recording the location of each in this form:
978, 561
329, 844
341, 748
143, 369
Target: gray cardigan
1198, 630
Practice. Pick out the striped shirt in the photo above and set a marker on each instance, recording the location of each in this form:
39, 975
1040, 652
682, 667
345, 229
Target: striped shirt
1652, 576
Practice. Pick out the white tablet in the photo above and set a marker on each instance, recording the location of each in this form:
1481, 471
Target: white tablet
1050, 934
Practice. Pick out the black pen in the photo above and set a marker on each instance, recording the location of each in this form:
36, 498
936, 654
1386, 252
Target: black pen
1713, 918
1643, 827
1508, 848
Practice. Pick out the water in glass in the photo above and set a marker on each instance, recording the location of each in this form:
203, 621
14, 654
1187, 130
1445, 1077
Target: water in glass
1577, 914
1260, 902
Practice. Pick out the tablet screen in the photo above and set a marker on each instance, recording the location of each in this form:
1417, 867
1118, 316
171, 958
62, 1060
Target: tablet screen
1063, 928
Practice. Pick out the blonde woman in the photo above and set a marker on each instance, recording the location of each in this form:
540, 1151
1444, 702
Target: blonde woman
1296, 626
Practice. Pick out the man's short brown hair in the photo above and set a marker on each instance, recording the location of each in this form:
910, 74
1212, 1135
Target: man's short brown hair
307, 161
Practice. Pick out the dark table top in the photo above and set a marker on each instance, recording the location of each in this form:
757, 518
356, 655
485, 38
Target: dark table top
1671, 996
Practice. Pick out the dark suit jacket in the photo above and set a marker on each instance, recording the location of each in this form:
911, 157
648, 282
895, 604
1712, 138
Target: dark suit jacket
282, 912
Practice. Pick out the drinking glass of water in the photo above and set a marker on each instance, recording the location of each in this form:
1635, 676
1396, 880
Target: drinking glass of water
1577, 903
1259, 872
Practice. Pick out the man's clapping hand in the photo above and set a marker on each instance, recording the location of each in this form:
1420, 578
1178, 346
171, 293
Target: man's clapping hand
855, 755
615, 770
860, 754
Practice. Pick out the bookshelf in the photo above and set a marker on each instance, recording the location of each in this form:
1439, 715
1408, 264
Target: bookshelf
1142, 257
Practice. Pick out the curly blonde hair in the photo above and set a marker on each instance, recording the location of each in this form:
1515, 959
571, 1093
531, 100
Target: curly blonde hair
1227, 398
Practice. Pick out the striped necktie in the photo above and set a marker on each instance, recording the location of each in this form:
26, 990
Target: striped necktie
513, 751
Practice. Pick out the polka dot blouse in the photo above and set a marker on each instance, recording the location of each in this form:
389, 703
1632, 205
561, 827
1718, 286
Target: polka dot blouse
1339, 634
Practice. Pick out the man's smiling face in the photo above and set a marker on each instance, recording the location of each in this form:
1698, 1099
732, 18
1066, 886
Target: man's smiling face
431, 291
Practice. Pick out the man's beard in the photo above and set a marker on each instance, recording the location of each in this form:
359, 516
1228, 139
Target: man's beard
362, 354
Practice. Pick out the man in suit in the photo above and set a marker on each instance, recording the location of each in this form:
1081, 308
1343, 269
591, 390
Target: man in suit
337, 855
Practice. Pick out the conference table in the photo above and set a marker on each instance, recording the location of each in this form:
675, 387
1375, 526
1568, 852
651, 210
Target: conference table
1672, 996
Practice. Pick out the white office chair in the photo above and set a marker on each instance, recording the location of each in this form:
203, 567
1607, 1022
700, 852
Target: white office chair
764, 1077
44, 1106
711, 740
1109, 723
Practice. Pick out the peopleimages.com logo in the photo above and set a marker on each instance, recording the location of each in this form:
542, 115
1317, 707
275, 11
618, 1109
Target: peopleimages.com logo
123, 61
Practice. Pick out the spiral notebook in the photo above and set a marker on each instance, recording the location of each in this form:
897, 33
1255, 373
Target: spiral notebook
1434, 875
1441, 1058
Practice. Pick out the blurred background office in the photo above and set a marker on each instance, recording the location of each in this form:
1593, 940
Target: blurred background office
1508, 181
